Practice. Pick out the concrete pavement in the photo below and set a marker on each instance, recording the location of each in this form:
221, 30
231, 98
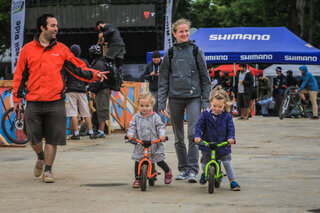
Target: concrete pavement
276, 164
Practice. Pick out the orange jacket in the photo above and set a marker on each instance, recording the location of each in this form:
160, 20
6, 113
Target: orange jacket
41, 70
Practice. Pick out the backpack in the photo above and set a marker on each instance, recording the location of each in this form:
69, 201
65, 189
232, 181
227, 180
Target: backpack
195, 53
115, 77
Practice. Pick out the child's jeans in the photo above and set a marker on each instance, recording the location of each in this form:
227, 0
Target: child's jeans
226, 160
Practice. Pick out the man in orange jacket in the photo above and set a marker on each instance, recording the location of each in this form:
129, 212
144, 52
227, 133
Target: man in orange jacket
40, 73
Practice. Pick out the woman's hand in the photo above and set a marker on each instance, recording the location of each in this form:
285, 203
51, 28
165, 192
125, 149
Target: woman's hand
197, 140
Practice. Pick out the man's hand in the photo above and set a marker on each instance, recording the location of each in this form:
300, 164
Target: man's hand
17, 106
100, 35
152, 73
102, 76
163, 111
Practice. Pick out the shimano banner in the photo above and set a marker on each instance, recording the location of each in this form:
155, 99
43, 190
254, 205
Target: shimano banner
17, 28
253, 45
167, 32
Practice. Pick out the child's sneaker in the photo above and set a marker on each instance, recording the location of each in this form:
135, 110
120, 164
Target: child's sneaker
202, 180
136, 184
168, 177
234, 186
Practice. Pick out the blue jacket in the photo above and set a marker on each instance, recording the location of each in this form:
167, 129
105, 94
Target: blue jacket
309, 81
215, 128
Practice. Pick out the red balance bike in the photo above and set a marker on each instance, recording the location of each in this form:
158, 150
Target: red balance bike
145, 166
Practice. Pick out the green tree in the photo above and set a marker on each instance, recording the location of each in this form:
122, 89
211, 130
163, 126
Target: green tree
5, 17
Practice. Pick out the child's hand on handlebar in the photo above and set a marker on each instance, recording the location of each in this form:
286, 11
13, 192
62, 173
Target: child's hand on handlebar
130, 137
162, 138
197, 140
231, 141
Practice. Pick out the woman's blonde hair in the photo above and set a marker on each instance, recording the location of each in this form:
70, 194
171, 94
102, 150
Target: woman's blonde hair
146, 95
219, 93
178, 23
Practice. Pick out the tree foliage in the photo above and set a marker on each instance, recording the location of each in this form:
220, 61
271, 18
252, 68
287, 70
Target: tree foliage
5, 17
255, 13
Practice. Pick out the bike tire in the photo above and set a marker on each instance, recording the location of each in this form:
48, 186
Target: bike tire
144, 177
9, 129
284, 108
211, 179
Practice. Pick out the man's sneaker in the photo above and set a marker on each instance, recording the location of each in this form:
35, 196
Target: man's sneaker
234, 186
136, 184
100, 135
168, 177
47, 177
192, 178
38, 168
202, 180
182, 176
314, 118
75, 137
92, 136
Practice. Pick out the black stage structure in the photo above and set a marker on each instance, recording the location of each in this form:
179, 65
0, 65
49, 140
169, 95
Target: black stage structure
141, 23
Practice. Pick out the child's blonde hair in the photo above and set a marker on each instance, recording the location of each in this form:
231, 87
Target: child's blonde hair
146, 95
220, 94
179, 22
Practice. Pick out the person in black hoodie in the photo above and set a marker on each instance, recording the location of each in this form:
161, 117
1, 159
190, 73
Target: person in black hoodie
279, 84
291, 81
77, 99
151, 74
103, 93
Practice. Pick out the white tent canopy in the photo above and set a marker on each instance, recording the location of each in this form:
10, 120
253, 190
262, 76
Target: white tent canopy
271, 70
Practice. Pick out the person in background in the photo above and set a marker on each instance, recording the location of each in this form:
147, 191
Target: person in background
243, 89
77, 99
101, 90
309, 86
151, 74
263, 93
291, 81
116, 47
279, 87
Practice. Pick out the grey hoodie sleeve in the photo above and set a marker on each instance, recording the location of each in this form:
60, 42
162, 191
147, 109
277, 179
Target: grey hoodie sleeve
204, 79
163, 82
132, 129
161, 127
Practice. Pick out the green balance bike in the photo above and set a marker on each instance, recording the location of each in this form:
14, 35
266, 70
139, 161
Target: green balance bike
213, 174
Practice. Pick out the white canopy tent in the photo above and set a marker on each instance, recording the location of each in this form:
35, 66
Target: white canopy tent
271, 70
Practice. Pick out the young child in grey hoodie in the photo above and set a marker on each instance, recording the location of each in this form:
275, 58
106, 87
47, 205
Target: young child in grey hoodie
147, 125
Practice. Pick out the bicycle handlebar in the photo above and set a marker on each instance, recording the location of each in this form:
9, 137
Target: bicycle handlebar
213, 145
135, 141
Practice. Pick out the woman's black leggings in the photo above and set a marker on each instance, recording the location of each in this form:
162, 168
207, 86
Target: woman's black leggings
163, 165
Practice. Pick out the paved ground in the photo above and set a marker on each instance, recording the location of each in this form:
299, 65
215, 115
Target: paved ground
276, 163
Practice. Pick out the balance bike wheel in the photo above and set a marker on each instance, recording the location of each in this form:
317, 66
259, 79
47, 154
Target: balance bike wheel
144, 177
211, 180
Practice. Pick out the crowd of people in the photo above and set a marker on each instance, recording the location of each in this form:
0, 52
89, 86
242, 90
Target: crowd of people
268, 95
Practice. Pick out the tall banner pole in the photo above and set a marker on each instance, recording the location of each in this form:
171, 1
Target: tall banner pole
167, 34
18, 8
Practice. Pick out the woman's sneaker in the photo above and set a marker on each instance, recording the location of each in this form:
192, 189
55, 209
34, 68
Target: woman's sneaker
202, 180
234, 186
192, 178
136, 184
168, 177
182, 176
